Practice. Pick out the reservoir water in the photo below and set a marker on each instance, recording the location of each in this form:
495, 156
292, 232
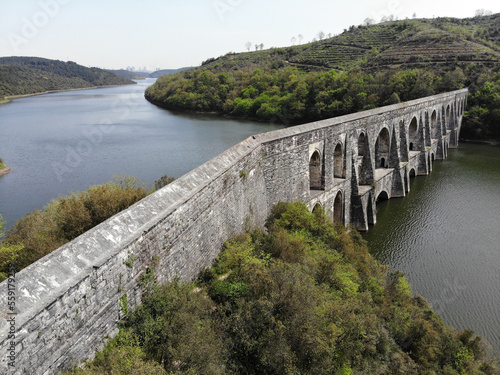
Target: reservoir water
445, 235
63, 142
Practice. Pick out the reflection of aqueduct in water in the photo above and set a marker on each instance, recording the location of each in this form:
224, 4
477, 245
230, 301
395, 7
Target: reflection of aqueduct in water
375, 157
68, 302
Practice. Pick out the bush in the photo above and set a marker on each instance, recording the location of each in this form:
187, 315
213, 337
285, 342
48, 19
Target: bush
304, 298
40, 232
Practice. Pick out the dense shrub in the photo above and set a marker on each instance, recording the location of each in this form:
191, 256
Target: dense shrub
42, 231
305, 297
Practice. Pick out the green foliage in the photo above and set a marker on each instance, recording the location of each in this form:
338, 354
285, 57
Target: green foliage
2, 165
163, 181
175, 328
40, 232
304, 298
363, 68
28, 75
482, 120
122, 356
8, 253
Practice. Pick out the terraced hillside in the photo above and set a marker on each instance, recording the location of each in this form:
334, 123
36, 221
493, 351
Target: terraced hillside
364, 67
410, 42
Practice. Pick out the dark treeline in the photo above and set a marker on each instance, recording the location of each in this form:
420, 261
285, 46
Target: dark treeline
269, 93
305, 297
30, 75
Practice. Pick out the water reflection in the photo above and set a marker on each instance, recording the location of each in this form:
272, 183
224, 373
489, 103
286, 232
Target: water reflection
445, 237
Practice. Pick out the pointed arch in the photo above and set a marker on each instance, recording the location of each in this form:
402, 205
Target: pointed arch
338, 161
317, 207
382, 196
382, 147
404, 142
434, 125
427, 134
315, 172
413, 141
364, 163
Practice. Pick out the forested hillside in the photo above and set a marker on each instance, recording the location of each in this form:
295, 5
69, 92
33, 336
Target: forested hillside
30, 75
306, 297
364, 67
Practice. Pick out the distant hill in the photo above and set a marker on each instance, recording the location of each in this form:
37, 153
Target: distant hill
364, 67
408, 43
128, 74
141, 75
162, 72
31, 75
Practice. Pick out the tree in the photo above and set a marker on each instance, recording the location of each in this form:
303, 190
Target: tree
300, 38
368, 21
321, 35
248, 45
483, 13
293, 40
8, 254
261, 46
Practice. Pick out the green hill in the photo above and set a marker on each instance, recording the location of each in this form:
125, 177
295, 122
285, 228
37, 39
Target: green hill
411, 42
31, 75
363, 68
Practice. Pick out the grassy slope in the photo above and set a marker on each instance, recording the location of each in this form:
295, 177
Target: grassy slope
410, 42
30, 75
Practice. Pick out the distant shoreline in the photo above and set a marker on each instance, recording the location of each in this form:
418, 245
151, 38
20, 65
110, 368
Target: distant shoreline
8, 99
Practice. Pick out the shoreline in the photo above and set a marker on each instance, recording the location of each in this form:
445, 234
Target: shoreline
9, 98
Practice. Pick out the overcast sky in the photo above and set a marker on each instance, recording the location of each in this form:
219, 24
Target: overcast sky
115, 34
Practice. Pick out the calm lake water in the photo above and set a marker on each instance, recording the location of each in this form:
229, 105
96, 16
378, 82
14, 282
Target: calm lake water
445, 235
68, 141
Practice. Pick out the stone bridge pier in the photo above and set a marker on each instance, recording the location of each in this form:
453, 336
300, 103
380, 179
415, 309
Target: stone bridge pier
357, 160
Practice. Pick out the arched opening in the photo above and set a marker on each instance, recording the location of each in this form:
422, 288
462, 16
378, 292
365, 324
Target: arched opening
434, 125
338, 209
427, 135
361, 153
413, 135
382, 149
447, 118
317, 208
338, 162
403, 144
412, 173
315, 172
382, 196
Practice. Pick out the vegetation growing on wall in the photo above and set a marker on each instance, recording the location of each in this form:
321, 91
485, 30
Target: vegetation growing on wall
305, 297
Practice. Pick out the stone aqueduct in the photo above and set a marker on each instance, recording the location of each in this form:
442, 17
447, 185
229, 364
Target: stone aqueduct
68, 302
